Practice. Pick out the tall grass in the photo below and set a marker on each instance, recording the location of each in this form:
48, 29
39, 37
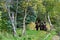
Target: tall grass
30, 35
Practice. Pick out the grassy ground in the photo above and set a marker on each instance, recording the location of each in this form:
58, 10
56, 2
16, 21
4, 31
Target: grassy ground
30, 35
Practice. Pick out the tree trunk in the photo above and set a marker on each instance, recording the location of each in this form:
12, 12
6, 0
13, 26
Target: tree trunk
24, 25
16, 14
24, 20
12, 21
51, 26
12, 17
13, 24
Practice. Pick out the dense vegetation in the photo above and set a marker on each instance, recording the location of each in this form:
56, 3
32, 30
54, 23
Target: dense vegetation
18, 17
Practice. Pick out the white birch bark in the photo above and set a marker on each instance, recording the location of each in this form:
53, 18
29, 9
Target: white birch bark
12, 18
16, 14
51, 26
24, 25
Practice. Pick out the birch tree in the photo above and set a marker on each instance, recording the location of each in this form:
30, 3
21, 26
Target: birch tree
24, 19
12, 15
